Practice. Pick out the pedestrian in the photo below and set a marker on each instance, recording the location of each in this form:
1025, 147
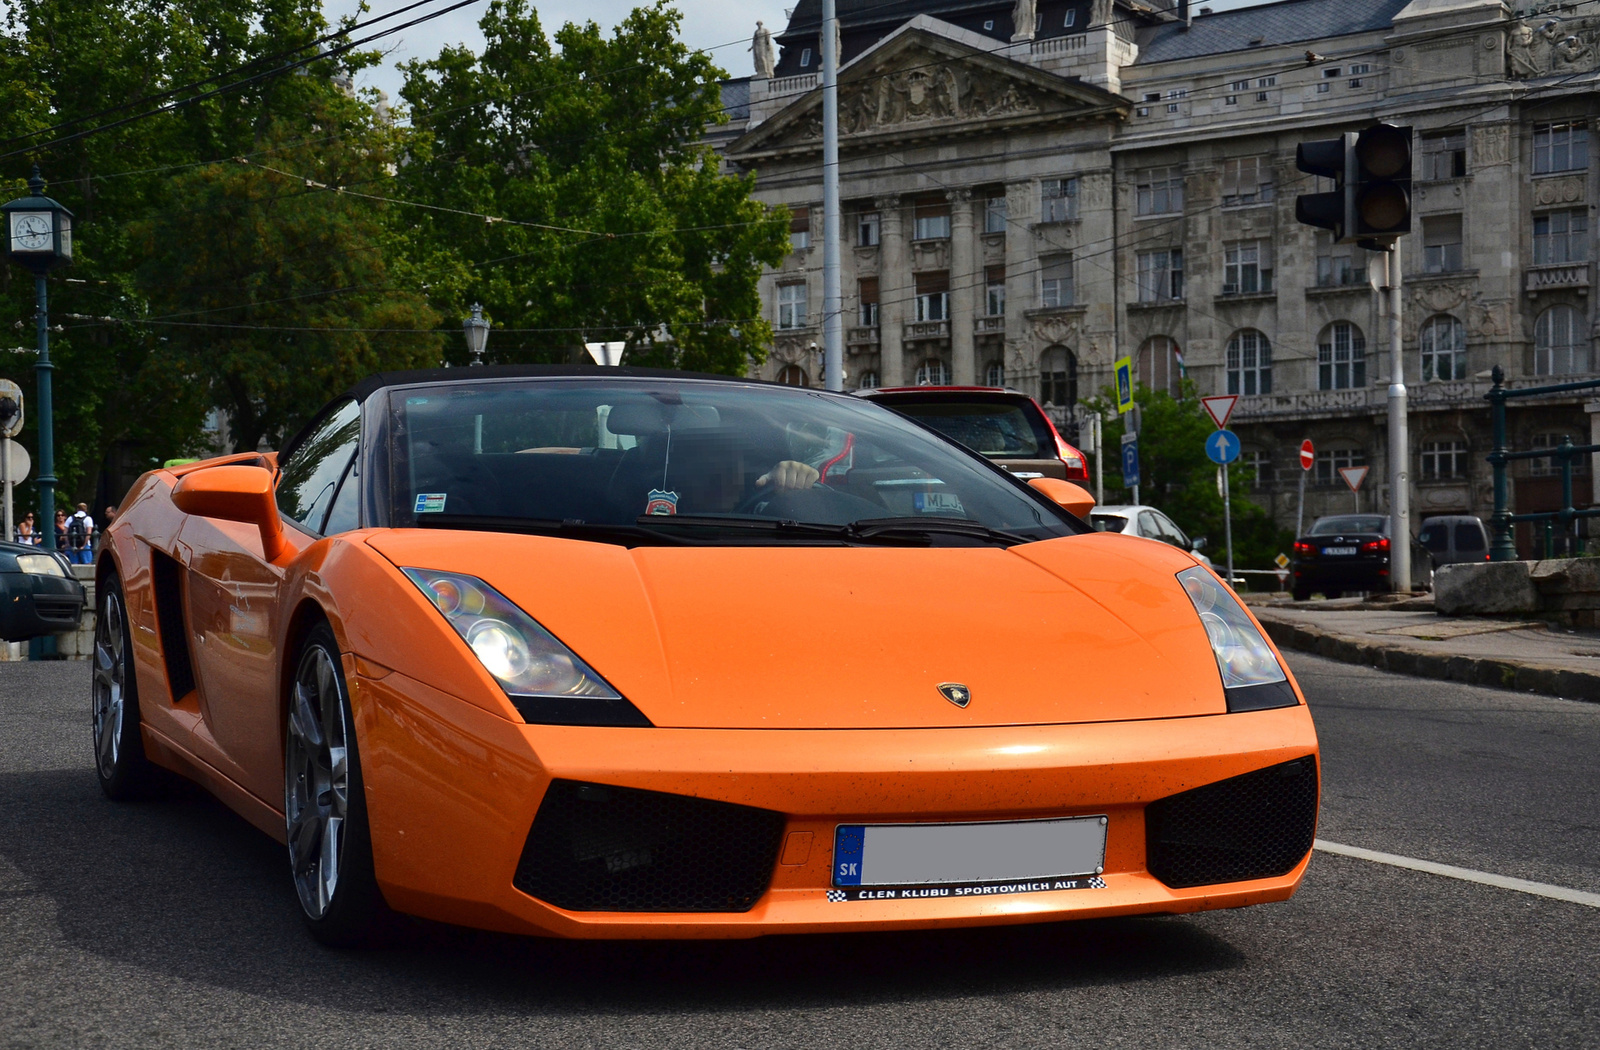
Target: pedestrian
25, 530
61, 531
111, 515
80, 536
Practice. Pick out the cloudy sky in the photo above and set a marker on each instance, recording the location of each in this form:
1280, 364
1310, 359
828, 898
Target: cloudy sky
724, 26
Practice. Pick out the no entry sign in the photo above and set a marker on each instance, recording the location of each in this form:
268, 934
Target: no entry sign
1308, 455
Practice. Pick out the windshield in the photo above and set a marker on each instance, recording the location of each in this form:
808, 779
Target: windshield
666, 455
1108, 522
1350, 523
988, 427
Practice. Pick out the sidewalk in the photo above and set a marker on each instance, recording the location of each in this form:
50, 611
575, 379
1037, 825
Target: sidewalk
1528, 656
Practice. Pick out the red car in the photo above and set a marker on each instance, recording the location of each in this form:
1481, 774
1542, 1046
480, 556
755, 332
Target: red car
1006, 426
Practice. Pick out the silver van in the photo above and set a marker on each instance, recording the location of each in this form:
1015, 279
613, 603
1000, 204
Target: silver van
1455, 538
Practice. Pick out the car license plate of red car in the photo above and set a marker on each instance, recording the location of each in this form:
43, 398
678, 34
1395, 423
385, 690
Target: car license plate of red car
967, 854
1338, 550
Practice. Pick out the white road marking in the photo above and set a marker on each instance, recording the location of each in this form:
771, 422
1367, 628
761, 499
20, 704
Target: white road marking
1450, 871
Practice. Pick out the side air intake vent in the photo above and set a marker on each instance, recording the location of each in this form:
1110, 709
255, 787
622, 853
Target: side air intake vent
1255, 826
167, 577
599, 848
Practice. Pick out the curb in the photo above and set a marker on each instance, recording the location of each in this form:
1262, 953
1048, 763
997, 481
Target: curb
1397, 658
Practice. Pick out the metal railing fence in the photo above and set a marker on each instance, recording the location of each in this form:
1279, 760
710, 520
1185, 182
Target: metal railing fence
1501, 545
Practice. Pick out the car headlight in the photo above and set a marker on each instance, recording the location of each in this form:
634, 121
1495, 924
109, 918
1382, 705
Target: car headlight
40, 565
545, 680
1252, 678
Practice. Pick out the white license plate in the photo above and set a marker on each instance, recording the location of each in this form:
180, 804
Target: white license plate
1338, 550
967, 854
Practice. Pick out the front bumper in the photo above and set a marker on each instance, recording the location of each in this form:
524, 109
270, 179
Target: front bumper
32, 606
453, 791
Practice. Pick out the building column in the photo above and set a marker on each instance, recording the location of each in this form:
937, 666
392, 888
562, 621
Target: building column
963, 288
894, 291
1022, 281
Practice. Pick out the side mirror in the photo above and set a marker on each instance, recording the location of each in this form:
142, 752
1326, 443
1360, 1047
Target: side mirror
1198, 543
234, 493
1074, 499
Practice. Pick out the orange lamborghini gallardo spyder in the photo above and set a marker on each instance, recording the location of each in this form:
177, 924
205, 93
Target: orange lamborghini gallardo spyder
621, 653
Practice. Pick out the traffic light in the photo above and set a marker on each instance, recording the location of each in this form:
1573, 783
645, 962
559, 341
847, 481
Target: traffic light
1329, 159
1371, 172
1381, 185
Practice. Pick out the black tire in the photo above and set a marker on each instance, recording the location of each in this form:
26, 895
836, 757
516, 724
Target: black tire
318, 725
1331, 595
120, 763
1302, 594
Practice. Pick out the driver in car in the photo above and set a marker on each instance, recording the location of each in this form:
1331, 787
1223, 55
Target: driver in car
819, 452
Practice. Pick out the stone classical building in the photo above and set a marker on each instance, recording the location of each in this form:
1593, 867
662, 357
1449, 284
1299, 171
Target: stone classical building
1033, 190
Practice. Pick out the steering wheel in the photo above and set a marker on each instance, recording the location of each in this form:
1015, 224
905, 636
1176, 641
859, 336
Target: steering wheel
757, 501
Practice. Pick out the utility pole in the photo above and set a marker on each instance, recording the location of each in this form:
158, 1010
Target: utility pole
832, 299
1399, 436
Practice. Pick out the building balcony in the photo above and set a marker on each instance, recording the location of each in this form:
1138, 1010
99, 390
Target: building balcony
862, 339
1346, 281
1363, 401
1156, 304
924, 331
791, 85
1059, 45
1558, 278
995, 325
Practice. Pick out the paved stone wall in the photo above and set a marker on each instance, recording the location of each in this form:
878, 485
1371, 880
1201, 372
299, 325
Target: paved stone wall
1566, 590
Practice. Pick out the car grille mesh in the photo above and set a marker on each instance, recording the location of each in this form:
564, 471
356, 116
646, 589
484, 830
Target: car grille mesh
57, 607
594, 847
1255, 826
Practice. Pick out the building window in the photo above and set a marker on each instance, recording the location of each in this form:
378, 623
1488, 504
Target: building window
1341, 357
1161, 365
994, 215
1259, 466
1247, 267
933, 372
867, 290
1230, 100
1246, 180
1071, 19
1331, 73
1262, 96
995, 374
1443, 341
869, 229
1560, 237
1339, 265
1546, 467
1560, 147
805, 58
800, 230
1360, 69
1330, 462
1441, 243
994, 299
1058, 200
1560, 346
1055, 281
867, 381
792, 305
1160, 275
1159, 191
793, 375
932, 222
1442, 460
1444, 156
1239, 85
1249, 363
1058, 377
933, 296
1324, 87
1266, 82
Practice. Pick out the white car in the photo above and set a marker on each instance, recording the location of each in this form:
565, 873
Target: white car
1140, 520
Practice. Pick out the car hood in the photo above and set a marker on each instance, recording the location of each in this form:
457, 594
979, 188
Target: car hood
1087, 628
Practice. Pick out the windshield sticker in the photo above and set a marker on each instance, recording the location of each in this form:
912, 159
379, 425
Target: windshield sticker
661, 502
416, 401
430, 503
937, 503
971, 889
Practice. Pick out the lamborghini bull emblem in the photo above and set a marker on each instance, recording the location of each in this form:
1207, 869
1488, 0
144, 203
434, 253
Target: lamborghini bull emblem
956, 693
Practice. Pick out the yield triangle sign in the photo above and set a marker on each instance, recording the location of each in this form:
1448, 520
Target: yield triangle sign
1220, 408
1353, 476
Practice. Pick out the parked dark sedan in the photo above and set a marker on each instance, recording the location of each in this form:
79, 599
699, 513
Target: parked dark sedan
1349, 552
38, 593
1005, 426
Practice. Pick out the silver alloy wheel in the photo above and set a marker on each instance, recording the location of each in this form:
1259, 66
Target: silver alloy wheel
110, 684
316, 780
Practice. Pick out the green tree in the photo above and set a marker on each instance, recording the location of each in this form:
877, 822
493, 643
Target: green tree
1176, 476
621, 225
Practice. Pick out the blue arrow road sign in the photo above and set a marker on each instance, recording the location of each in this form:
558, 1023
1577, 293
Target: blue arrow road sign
1222, 446
1130, 460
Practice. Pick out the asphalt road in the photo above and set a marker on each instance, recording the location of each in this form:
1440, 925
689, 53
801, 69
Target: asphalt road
172, 923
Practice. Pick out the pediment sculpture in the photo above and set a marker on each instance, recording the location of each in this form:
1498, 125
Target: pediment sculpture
925, 93
1544, 47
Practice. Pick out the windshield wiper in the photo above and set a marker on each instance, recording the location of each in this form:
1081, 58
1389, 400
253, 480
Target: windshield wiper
874, 528
572, 528
771, 526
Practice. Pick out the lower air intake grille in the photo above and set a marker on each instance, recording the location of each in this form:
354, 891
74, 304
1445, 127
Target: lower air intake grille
599, 848
57, 607
1255, 826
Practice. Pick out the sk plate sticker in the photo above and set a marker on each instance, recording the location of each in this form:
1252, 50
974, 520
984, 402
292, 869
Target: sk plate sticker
430, 503
661, 502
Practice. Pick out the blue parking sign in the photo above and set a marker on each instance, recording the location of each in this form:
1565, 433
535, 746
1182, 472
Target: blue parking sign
1222, 446
1130, 460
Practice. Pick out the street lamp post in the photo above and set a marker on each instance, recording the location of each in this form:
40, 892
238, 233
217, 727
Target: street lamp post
39, 236
476, 331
